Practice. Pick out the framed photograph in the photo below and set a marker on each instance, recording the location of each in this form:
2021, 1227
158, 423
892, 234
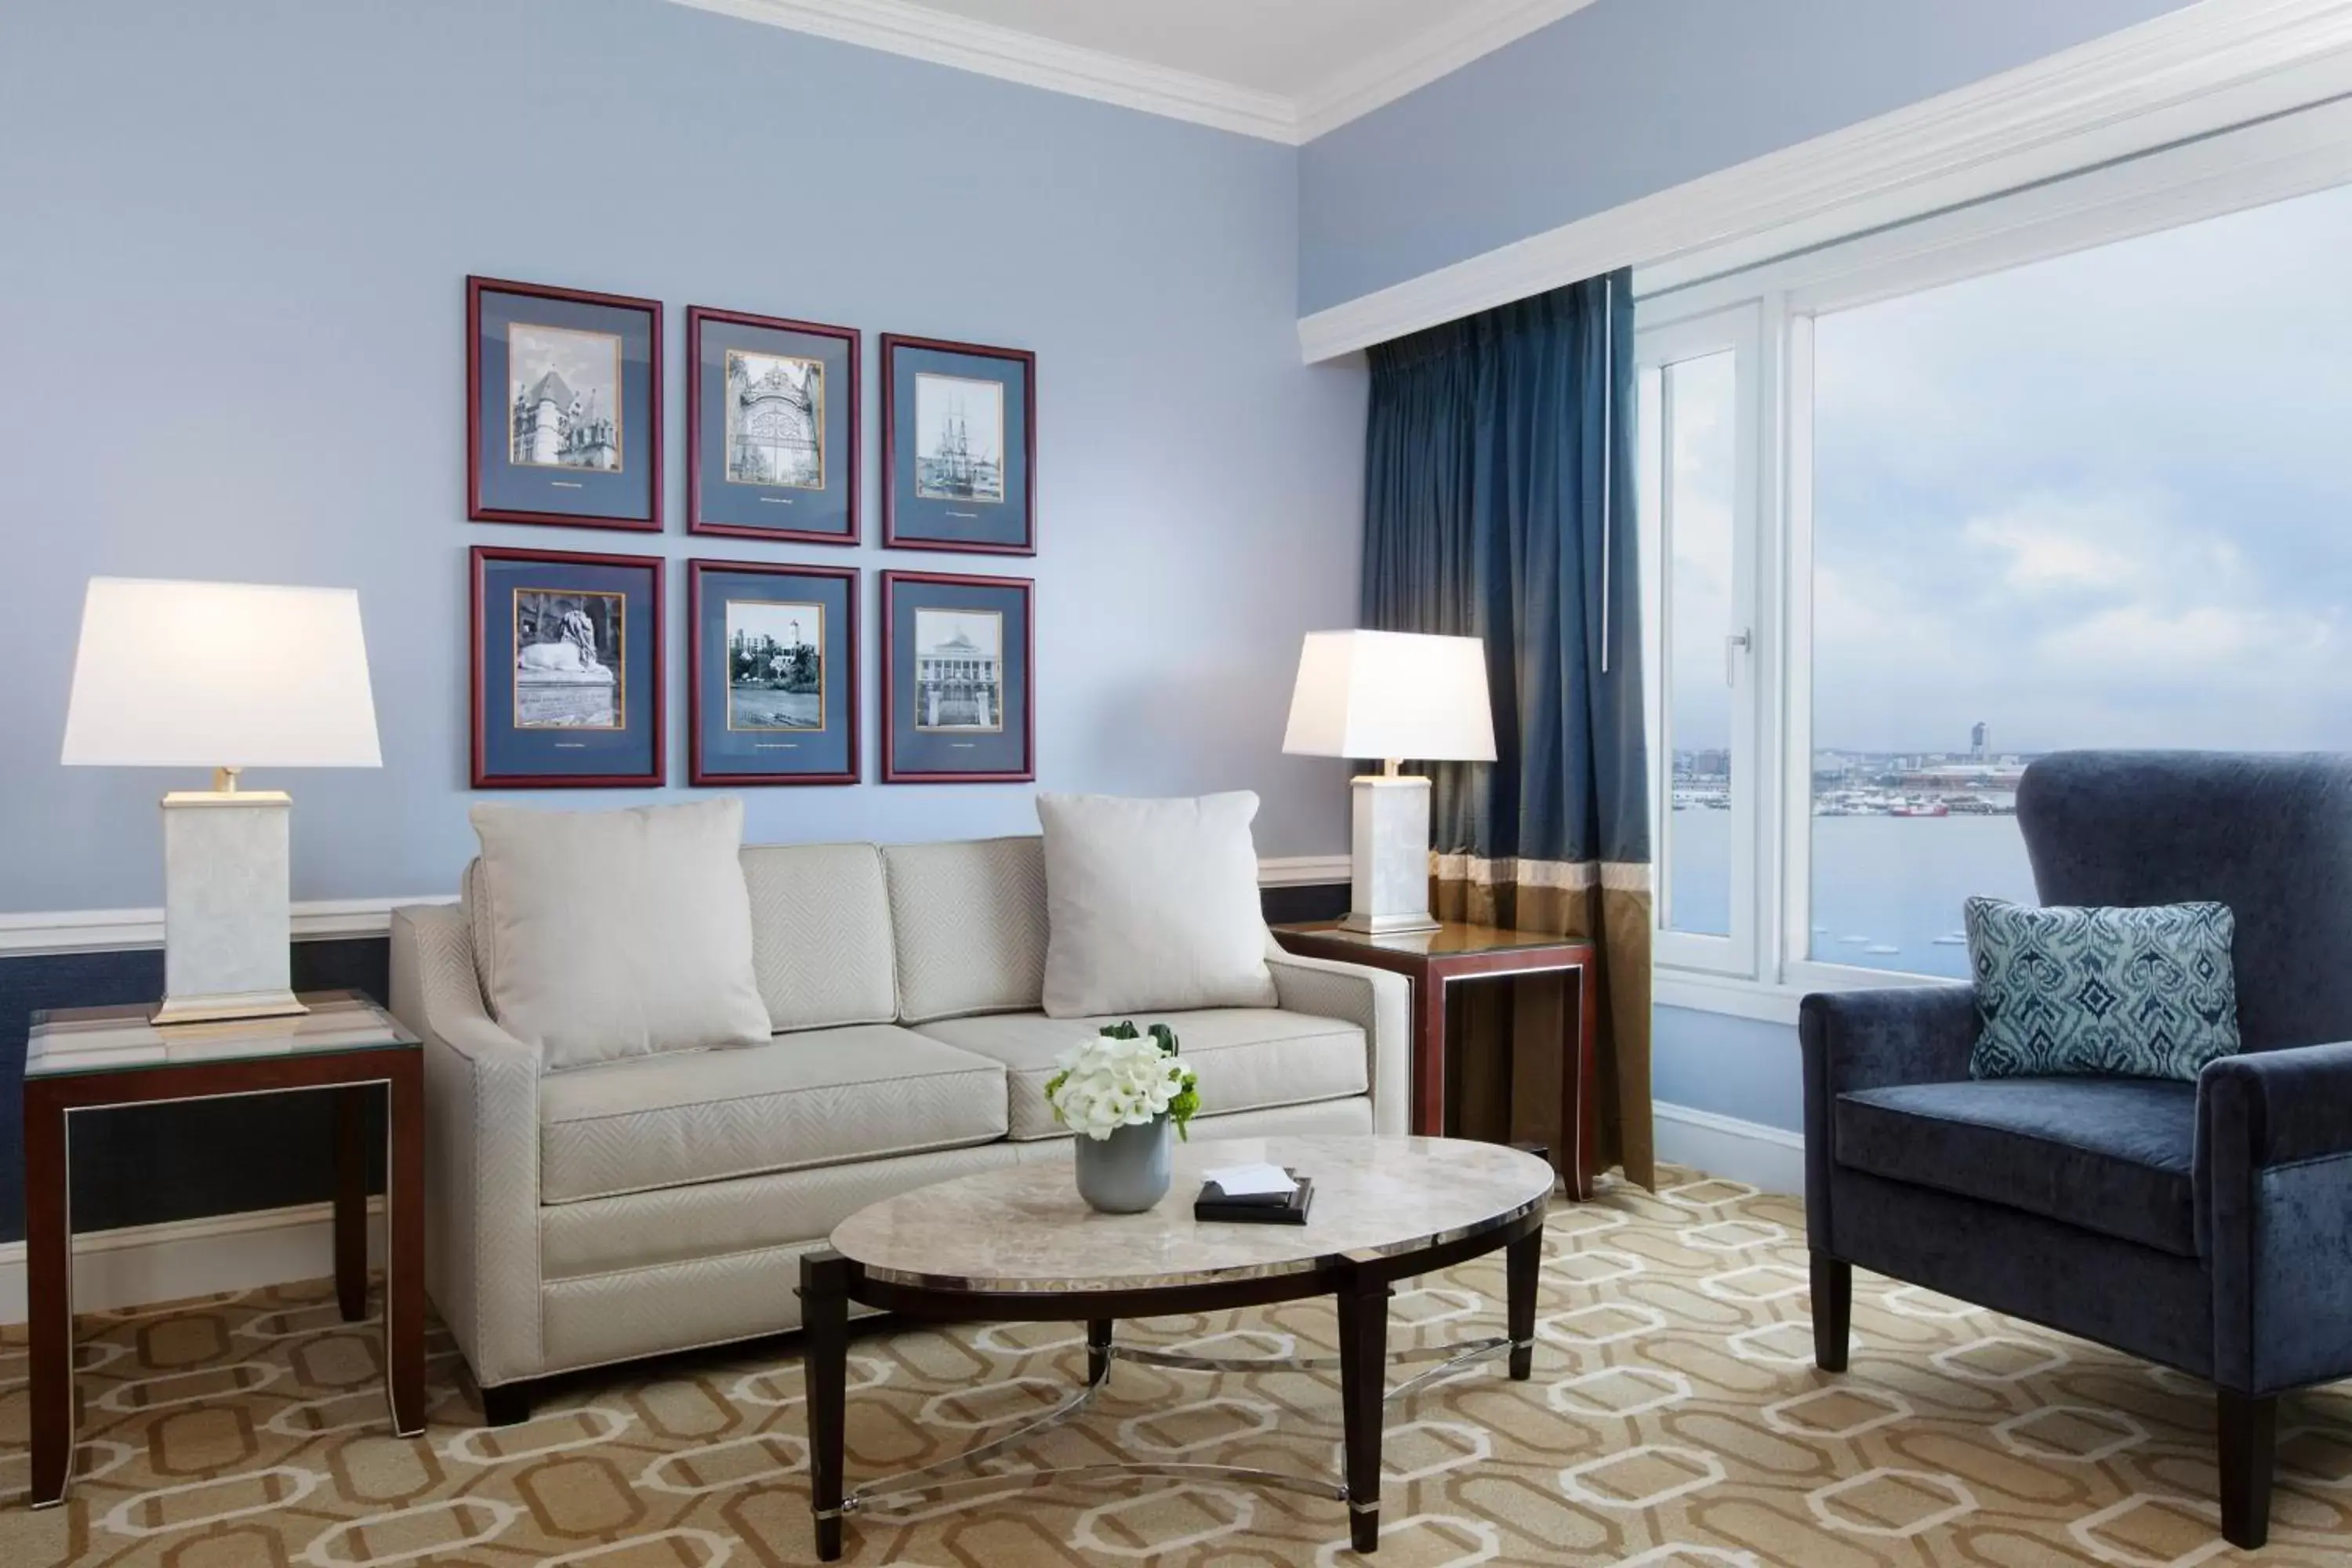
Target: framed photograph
771, 427
567, 670
959, 446
564, 406
771, 683
958, 689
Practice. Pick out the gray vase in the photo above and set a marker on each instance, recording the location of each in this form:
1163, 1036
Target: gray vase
1127, 1171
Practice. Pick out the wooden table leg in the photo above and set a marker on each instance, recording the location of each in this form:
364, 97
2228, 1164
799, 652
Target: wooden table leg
403, 1219
824, 1377
1579, 1111
1429, 1054
1522, 1262
350, 1202
1363, 1303
49, 1290
1098, 1332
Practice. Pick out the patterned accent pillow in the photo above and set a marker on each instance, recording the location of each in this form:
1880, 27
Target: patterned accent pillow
2142, 993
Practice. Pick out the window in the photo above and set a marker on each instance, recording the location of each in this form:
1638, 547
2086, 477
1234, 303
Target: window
2103, 500
2066, 468
1694, 426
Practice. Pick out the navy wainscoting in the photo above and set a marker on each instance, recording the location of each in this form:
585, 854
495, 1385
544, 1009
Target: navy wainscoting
148, 1164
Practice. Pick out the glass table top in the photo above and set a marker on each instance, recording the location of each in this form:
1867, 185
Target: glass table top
66, 1040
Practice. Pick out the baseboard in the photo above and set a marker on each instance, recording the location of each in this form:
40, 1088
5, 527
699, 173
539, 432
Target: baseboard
1769, 1158
141, 1264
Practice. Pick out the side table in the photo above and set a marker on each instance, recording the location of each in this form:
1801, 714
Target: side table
96, 1059
1434, 960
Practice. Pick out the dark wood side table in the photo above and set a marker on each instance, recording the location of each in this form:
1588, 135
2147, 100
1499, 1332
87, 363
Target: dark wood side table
96, 1059
1432, 961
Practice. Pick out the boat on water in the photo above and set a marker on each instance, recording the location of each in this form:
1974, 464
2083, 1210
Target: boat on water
1916, 807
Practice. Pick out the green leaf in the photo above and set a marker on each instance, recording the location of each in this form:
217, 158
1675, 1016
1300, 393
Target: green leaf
1123, 1030
1166, 1037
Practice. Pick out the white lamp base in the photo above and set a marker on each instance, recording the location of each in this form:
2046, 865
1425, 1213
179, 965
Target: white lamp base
1389, 888
227, 906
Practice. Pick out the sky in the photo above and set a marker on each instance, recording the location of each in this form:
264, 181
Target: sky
2104, 499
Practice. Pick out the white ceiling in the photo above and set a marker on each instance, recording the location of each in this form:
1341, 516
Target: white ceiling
1284, 69
1285, 47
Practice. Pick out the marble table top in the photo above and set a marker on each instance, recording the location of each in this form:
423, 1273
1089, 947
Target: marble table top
1024, 1227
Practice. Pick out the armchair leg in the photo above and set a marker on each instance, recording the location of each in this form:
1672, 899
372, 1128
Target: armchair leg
1832, 1310
2247, 1430
507, 1404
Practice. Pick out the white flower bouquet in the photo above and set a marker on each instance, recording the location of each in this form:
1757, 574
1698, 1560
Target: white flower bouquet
1123, 1078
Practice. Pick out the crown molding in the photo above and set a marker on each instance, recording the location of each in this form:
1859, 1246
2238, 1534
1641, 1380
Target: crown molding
921, 33
901, 27
2199, 69
1467, 32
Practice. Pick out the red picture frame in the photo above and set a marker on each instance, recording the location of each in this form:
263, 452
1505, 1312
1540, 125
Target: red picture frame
855, 402
477, 509
892, 770
697, 774
891, 537
482, 777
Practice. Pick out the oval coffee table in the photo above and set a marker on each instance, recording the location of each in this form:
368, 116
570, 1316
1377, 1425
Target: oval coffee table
1019, 1245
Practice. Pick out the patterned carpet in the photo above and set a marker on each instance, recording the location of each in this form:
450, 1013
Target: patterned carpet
1674, 1418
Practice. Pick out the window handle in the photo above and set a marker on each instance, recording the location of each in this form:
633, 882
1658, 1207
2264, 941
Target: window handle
1737, 642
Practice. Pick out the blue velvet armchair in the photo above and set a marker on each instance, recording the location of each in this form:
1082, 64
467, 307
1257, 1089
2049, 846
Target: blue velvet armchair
2207, 1227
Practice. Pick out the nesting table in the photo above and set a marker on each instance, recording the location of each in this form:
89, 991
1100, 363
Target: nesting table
1017, 1245
81, 1060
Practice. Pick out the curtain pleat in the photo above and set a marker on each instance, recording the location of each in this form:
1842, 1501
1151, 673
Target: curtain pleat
1499, 504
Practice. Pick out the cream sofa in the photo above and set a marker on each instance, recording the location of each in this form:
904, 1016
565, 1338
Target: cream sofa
597, 1214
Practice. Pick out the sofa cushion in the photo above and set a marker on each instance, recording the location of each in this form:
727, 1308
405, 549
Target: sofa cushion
824, 1097
1249, 1058
821, 934
2113, 1155
1152, 905
968, 920
617, 933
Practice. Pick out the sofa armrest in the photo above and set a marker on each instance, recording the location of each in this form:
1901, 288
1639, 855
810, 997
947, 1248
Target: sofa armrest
1376, 1001
1873, 1039
481, 1160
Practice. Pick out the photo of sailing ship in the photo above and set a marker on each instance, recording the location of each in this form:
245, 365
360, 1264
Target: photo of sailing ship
959, 438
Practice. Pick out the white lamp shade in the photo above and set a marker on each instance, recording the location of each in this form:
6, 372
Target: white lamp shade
210, 675
1392, 694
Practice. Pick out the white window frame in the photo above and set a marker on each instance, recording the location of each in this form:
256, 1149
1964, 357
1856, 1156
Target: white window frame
1738, 330
1764, 975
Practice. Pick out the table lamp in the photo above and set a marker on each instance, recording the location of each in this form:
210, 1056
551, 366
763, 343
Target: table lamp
1391, 695
227, 676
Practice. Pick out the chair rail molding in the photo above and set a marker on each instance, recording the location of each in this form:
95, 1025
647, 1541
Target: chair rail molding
1467, 29
116, 930
2206, 67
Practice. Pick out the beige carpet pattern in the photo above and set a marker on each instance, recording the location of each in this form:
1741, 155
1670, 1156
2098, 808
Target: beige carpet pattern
1675, 1419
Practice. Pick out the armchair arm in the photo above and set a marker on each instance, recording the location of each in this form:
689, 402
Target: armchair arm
1376, 1001
481, 1160
1873, 1039
2273, 1185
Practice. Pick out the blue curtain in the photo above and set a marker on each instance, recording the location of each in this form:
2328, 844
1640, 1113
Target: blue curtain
1499, 504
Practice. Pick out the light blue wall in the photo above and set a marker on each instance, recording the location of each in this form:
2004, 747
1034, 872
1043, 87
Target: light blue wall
1739, 1067
1626, 98
232, 240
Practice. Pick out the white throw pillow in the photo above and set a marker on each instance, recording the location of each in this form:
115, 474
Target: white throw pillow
1151, 905
617, 933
